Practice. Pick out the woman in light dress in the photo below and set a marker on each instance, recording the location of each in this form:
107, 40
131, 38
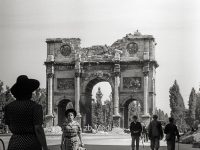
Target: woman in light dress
71, 137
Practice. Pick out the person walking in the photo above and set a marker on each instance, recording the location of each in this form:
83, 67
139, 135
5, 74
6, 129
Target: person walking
24, 117
71, 132
144, 133
135, 129
171, 132
155, 133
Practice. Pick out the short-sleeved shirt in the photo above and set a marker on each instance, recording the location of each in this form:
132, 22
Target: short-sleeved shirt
21, 116
71, 130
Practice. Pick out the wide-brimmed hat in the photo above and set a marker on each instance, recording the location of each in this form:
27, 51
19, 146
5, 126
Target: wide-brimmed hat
24, 86
70, 111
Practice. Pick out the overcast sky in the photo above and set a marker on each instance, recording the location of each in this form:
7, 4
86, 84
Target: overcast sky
25, 25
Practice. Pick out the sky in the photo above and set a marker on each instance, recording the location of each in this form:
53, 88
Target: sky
175, 25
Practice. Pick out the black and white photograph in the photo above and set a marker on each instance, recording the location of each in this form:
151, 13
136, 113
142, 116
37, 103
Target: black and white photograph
99, 74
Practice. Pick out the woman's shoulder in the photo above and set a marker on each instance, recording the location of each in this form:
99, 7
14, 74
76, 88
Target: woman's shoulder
76, 123
65, 123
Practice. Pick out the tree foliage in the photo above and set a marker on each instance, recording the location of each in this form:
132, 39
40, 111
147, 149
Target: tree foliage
161, 115
197, 110
5, 98
177, 106
190, 118
39, 96
101, 113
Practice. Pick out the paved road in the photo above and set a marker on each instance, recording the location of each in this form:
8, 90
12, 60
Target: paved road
124, 147
107, 142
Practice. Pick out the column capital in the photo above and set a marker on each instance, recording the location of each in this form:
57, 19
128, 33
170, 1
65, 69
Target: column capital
117, 74
117, 69
77, 74
50, 75
146, 73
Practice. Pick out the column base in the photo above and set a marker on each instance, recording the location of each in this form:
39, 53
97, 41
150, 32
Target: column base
49, 120
146, 119
116, 121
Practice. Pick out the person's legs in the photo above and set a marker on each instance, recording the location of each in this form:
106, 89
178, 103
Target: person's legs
169, 145
133, 142
157, 143
152, 143
173, 144
137, 142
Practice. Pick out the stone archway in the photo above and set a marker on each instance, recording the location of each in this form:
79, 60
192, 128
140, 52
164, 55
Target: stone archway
131, 107
129, 65
63, 105
86, 108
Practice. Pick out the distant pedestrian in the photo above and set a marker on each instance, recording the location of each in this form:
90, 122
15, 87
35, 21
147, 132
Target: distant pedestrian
135, 129
155, 133
71, 132
144, 133
171, 132
24, 117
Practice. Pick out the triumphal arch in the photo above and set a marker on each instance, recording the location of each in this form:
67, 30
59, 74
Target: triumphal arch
129, 66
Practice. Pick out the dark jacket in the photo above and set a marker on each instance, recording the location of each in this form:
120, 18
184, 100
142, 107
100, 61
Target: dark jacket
172, 130
135, 128
155, 125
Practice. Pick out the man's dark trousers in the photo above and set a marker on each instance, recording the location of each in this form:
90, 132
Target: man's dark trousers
135, 139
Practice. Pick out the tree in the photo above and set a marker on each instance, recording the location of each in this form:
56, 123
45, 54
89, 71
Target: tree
39, 96
8, 96
5, 98
109, 113
197, 111
192, 108
177, 106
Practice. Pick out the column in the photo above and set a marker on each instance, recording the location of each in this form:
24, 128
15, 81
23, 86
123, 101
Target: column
116, 116
146, 116
77, 92
77, 87
146, 78
116, 95
154, 96
50, 93
49, 117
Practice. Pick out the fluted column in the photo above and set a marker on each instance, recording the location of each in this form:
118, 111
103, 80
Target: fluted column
77, 87
77, 92
116, 94
116, 116
146, 89
154, 96
50, 94
50, 78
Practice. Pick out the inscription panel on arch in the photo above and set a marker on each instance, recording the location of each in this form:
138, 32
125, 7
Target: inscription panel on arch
132, 83
65, 83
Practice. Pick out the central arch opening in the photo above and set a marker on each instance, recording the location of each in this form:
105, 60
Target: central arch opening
99, 107
131, 107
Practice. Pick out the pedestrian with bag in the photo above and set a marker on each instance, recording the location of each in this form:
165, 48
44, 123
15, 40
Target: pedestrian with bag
135, 129
171, 132
71, 132
155, 133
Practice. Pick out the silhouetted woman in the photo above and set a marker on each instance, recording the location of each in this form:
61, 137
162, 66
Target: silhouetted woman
24, 117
